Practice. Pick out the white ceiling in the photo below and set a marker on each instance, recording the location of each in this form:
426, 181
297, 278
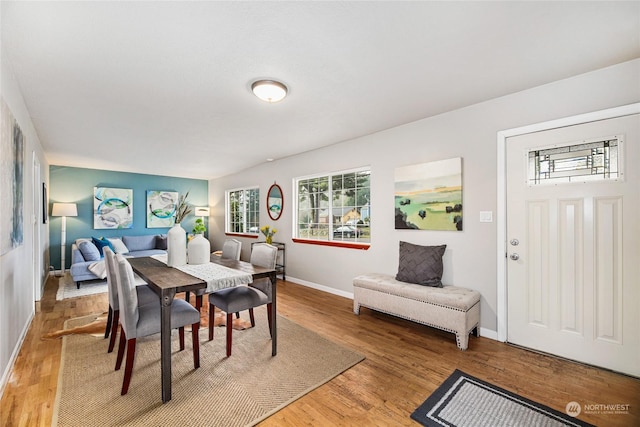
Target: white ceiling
164, 87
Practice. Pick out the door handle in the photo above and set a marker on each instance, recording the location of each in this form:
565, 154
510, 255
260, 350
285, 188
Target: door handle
514, 256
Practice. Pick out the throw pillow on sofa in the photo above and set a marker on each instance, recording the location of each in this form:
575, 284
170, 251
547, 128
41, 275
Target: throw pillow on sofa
118, 245
89, 251
101, 243
421, 265
161, 241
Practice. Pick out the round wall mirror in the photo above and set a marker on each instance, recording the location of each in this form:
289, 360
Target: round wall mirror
274, 202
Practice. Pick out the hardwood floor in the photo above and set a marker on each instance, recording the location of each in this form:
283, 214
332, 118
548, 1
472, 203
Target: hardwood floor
404, 363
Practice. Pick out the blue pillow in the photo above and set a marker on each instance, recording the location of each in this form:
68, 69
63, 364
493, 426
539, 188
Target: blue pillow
101, 243
89, 251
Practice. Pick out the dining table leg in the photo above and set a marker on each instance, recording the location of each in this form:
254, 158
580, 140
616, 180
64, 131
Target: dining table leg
274, 328
165, 342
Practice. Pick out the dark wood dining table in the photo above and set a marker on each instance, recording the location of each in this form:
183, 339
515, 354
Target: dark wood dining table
167, 281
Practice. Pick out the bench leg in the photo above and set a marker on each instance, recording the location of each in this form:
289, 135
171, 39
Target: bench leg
462, 340
356, 307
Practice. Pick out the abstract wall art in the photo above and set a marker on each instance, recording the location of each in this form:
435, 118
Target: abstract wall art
11, 181
161, 208
112, 208
428, 196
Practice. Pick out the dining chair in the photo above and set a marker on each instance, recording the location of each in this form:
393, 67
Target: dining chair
145, 296
143, 320
231, 249
240, 298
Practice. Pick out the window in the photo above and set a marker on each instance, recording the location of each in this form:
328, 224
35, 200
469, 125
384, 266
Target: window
335, 207
587, 161
243, 210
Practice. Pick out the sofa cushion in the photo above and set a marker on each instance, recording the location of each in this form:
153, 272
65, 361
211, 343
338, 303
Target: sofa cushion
421, 265
89, 251
140, 243
161, 242
100, 244
118, 245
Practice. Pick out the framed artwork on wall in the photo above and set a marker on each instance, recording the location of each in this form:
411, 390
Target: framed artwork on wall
161, 208
112, 208
11, 181
45, 204
428, 196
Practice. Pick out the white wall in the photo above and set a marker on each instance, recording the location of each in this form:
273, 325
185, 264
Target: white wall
17, 292
470, 133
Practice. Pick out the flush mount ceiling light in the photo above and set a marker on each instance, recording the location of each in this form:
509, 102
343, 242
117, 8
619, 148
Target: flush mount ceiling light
269, 90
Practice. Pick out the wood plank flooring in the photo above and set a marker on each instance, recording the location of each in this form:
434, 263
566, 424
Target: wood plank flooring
404, 363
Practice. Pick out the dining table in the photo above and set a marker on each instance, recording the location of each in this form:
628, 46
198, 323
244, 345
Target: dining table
168, 281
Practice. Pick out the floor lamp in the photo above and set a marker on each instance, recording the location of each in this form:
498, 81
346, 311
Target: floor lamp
64, 210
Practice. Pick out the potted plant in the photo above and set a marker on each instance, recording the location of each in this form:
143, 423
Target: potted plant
199, 227
268, 233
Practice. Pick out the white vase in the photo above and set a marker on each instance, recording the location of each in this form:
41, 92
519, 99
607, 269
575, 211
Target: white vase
176, 246
199, 250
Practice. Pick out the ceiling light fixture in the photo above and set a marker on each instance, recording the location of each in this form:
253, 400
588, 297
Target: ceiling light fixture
269, 90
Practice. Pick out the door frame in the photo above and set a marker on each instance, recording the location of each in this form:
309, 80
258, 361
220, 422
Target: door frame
501, 222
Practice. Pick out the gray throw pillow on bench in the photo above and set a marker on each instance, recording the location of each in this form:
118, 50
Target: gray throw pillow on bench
421, 265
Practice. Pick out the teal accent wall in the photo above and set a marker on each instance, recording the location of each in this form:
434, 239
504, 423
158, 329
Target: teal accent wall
75, 185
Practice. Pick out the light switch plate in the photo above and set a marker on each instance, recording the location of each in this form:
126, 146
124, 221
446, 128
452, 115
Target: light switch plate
486, 216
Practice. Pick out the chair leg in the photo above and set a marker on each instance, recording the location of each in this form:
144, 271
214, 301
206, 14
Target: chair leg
187, 296
181, 334
114, 330
253, 320
121, 346
270, 318
198, 302
212, 318
128, 368
229, 332
107, 328
196, 344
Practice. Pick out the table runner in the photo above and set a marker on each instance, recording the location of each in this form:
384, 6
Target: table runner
217, 276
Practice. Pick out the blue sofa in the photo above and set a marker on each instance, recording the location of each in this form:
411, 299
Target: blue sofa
128, 246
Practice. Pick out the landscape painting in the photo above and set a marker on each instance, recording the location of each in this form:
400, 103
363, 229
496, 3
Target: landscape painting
112, 208
161, 208
428, 196
11, 181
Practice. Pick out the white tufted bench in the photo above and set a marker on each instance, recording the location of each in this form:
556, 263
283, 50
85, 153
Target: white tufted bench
449, 308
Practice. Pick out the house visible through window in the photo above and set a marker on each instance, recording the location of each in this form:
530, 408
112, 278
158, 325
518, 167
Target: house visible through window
334, 207
243, 210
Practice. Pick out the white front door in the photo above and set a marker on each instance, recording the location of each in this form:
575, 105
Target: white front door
573, 272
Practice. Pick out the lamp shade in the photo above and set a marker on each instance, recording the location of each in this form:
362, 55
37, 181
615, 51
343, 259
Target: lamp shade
201, 211
269, 90
64, 209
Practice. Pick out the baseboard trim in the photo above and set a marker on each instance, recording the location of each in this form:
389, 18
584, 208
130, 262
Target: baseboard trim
484, 332
320, 287
14, 355
489, 333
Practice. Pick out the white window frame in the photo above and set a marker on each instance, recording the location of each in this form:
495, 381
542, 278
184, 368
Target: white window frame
227, 211
296, 201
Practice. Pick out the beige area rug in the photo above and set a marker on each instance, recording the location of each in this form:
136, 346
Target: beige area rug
237, 391
68, 289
